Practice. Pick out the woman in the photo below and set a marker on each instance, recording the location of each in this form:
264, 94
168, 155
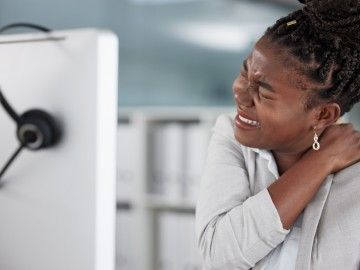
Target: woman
280, 185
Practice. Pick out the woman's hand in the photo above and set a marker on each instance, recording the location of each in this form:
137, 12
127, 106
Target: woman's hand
339, 145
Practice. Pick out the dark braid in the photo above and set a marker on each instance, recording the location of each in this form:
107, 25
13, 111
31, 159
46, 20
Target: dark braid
325, 37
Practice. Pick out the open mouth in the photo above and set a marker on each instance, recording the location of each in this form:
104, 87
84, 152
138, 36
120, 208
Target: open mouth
243, 121
246, 119
249, 122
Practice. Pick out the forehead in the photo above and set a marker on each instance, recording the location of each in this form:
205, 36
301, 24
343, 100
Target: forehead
275, 64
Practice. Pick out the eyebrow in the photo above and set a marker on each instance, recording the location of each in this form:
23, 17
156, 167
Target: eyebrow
245, 65
261, 83
266, 86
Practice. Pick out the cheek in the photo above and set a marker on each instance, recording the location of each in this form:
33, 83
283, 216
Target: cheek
276, 117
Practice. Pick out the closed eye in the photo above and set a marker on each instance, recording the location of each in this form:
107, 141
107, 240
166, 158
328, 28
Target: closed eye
261, 94
266, 86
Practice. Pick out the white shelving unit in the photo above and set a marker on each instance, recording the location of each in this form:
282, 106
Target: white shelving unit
143, 206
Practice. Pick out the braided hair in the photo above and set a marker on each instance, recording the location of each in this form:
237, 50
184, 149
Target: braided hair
324, 36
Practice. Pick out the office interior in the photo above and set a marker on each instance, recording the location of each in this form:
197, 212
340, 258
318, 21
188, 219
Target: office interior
177, 60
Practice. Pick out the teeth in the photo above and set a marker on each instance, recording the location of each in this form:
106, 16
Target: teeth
251, 122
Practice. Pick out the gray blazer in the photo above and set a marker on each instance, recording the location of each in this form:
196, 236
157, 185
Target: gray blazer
237, 223
331, 224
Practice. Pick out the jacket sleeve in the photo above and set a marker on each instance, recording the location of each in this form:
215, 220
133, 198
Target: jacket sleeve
234, 229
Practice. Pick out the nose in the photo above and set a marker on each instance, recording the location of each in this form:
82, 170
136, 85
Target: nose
243, 104
242, 96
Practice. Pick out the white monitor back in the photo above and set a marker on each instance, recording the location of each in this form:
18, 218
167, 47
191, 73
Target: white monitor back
57, 206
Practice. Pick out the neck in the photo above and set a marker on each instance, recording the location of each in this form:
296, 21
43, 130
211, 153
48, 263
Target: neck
285, 160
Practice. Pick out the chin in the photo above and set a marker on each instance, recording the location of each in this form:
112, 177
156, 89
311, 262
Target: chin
248, 141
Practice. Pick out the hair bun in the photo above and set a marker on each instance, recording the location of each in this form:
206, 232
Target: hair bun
339, 17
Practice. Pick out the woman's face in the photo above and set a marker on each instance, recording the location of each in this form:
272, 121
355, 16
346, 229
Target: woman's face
267, 90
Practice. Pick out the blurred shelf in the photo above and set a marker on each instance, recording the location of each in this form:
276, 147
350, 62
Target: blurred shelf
124, 205
156, 202
173, 113
137, 200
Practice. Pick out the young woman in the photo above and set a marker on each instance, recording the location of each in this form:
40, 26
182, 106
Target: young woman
281, 185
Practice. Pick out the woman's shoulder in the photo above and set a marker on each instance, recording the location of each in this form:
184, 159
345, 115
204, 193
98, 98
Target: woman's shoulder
224, 124
343, 203
223, 132
350, 173
347, 181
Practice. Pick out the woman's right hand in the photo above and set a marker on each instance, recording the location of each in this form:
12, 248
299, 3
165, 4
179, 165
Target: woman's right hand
340, 145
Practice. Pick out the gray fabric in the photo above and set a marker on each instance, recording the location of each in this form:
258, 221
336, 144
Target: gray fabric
237, 223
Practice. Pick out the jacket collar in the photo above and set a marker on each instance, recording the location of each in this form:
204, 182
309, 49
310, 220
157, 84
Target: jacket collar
268, 155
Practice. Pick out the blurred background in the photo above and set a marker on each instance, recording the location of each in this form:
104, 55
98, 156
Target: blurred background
172, 52
177, 62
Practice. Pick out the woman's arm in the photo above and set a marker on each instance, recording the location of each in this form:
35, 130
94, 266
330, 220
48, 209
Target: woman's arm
234, 228
296, 187
340, 148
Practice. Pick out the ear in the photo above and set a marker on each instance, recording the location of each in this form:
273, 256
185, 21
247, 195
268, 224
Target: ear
327, 114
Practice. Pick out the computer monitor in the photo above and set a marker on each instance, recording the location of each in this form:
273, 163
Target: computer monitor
57, 205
